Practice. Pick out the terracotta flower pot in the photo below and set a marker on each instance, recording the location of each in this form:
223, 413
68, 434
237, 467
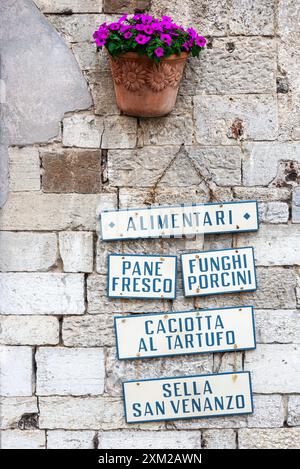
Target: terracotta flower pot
145, 89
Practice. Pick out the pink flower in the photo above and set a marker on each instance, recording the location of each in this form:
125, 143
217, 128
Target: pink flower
114, 26
123, 18
100, 42
128, 35
139, 27
192, 32
159, 52
157, 27
186, 46
141, 39
200, 41
125, 27
146, 19
167, 19
166, 38
148, 30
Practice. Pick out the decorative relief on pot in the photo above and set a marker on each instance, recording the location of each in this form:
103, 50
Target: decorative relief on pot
135, 76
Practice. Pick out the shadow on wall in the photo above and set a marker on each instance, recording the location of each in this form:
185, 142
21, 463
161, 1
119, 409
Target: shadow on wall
40, 81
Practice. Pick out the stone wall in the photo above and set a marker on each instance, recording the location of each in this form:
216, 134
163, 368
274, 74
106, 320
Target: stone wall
235, 134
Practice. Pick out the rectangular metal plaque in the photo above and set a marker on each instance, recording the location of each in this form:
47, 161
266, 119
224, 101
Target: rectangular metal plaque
189, 332
177, 221
214, 272
139, 276
188, 397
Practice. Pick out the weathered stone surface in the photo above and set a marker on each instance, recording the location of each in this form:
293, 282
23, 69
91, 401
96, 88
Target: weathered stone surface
17, 439
98, 302
296, 205
77, 413
16, 372
252, 17
121, 6
69, 6
223, 120
276, 290
125, 370
102, 89
293, 419
219, 439
48, 293
274, 245
224, 362
76, 372
60, 439
139, 168
72, 171
274, 212
288, 47
262, 194
89, 331
30, 252
149, 440
131, 198
166, 131
262, 160
76, 251
215, 242
119, 132
88, 57
281, 326
13, 410
283, 438
77, 27
247, 65
27, 211
270, 378
289, 116
208, 16
29, 330
224, 164
83, 131
24, 169
269, 413
33, 106
94, 132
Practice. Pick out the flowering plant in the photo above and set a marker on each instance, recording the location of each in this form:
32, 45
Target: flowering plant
149, 36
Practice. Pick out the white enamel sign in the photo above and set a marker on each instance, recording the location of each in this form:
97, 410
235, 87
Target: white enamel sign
215, 272
188, 397
139, 276
166, 334
177, 221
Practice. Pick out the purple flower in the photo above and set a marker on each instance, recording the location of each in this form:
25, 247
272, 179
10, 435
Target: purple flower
125, 27
192, 32
186, 46
100, 42
114, 26
124, 18
157, 27
128, 35
139, 27
141, 39
148, 29
137, 17
159, 52
146, 19
167, 19
200, 41
166, 38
